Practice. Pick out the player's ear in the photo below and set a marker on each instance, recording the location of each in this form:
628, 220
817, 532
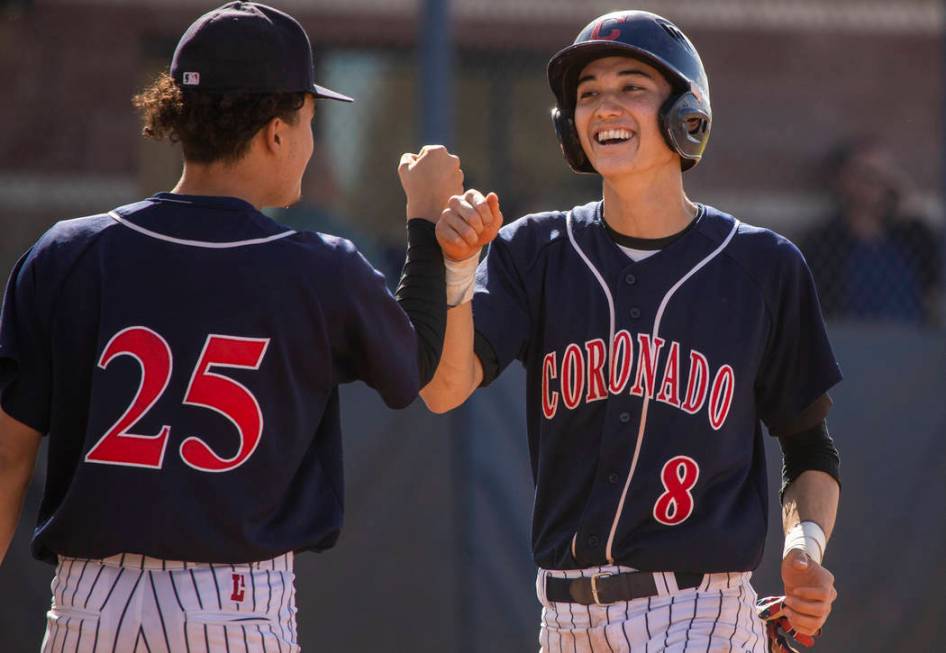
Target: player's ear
273, 135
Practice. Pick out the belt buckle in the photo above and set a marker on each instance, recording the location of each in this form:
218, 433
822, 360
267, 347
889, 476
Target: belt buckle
594, 585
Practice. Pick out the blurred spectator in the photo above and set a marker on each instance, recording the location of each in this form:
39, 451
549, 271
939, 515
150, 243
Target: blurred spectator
873, 260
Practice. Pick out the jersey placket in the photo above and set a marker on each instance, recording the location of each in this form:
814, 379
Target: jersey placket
634, 307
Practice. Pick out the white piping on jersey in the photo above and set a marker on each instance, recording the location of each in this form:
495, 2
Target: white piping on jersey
657, 319
196, 243
601, 281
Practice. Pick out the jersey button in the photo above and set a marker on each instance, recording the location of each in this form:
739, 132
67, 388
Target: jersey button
593, 541
624, 417
613, 478
630, 279
635, 313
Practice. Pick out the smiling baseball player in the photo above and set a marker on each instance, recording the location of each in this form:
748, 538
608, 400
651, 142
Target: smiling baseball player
658, 335
183, 356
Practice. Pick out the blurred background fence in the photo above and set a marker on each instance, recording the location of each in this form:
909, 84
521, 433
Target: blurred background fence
828, 127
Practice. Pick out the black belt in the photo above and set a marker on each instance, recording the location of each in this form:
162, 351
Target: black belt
602, 589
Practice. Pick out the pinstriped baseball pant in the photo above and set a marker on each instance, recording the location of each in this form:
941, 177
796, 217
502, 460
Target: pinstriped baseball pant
718, 615
133, 604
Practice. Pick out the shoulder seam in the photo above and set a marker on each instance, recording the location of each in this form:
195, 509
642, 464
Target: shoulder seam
545, 245
548, 243
81, 255
748, 274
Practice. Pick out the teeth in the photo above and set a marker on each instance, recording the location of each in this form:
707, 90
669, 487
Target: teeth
613, 134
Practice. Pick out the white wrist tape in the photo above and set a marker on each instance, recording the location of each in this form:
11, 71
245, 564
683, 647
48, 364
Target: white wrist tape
461, 277
808, 537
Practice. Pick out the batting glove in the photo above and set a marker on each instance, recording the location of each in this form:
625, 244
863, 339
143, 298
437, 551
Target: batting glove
771, 610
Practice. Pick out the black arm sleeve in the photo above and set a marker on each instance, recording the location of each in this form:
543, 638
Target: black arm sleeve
488, 360
809, 449
422, 293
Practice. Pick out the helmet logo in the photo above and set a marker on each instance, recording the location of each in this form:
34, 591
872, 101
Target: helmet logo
612, 34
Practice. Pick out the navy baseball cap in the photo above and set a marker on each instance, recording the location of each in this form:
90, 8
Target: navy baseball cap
247, 47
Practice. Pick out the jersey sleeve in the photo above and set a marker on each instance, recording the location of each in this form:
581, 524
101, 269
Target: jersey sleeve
25, 361
798, 366
501, 313
376, 343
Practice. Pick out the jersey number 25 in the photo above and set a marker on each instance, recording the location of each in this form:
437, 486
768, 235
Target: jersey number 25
207, 389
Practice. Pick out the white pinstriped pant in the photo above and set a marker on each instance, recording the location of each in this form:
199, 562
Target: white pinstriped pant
718, 615
130, 603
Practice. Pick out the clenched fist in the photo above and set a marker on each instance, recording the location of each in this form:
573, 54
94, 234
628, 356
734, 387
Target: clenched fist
469, 222
429, 178
809, 592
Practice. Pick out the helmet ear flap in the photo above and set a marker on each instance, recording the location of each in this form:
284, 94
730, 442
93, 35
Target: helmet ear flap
685, 123
568, 139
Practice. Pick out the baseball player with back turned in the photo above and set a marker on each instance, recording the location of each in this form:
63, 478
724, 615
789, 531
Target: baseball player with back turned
658, 334
183, 356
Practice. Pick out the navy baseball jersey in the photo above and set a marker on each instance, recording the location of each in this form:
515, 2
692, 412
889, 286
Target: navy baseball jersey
184, 354
648, 383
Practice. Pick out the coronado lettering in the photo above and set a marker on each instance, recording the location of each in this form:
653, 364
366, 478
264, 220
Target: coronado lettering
579, 376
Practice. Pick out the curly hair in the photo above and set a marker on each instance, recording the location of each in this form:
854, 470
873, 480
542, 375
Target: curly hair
210, 126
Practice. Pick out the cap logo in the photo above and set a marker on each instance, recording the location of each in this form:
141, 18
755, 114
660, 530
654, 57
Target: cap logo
191, 79
600, 33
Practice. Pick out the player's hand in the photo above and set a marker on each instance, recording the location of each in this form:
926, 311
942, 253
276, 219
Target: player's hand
469, 222
429, 178
809, 592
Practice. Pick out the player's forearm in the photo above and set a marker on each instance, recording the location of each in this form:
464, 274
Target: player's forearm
18, 447
13, 484
813, 496
458, 373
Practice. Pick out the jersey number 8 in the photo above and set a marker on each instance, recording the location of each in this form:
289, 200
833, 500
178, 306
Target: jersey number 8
675, 505
207, 389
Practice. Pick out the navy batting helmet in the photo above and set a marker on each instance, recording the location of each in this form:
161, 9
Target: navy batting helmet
684, 118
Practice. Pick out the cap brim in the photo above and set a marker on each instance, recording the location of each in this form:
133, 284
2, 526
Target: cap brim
328, 94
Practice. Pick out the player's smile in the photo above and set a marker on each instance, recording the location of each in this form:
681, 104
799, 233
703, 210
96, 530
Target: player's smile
613, 135
607, 141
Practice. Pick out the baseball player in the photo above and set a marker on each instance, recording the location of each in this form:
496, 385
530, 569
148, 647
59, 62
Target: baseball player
658, 334
183, 356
